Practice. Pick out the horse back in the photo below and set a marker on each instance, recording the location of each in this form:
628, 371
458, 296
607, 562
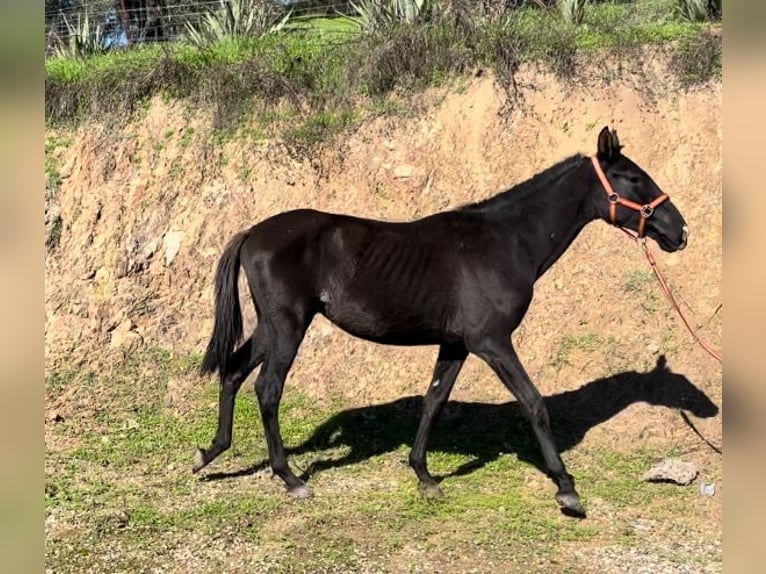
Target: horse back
382, 281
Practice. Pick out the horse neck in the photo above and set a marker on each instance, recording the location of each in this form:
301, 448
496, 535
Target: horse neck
553, 217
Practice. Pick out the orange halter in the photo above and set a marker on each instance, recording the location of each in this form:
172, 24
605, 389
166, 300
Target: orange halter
614, 199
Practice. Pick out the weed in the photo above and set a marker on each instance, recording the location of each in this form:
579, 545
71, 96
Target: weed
698, 59
570, 343
52, 174
82, 38
187, 136
641, 282
637, 281
319, 127
53, 233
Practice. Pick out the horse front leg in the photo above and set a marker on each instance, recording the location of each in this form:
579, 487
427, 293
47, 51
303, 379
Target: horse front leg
502, 358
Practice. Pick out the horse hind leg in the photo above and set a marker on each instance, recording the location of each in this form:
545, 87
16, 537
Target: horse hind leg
447, 368
244, 361
269, 386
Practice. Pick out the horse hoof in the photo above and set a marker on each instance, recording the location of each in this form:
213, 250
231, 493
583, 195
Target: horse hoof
199, 461
300, 491
430, 491
570, 504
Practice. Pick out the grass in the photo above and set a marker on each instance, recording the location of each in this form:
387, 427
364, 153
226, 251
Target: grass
330, 77
571, 343
122, 497
52, 168
53, 221
642, 285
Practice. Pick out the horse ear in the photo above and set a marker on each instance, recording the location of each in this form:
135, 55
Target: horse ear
605, 144
616, 142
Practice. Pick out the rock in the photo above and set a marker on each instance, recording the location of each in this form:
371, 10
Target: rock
120, 266
150, 249
124, 337
131, 424
707, 489
672, 470
403, 171
172, 243
113, 320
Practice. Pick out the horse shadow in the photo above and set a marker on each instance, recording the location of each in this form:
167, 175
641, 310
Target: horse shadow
484, 432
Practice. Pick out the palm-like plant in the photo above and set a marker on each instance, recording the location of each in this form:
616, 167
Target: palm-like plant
82, 38
234, 19
693, 10
572, 11
371, 15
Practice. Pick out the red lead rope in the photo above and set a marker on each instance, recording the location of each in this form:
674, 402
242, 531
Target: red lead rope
666, 289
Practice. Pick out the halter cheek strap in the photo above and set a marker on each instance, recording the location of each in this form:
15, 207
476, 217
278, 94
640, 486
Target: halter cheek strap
614, 200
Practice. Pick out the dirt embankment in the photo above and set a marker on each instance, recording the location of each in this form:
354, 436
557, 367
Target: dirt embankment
147, 207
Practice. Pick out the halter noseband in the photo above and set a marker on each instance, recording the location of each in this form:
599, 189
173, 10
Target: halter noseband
614, 199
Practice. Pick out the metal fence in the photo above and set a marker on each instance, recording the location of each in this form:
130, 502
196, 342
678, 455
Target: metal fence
130, 23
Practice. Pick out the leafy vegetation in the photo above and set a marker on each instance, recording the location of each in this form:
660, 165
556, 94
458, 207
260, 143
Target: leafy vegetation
235, 20
245, 59
83, 38
699, 10
573, 11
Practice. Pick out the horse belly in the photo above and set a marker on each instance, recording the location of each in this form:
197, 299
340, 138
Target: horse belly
383, 321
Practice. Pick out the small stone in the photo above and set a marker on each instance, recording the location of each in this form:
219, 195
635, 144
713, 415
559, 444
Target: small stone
123, 336
120, 266
707, 489
150, 249
131, 424
172, 242
672, 470
403, 171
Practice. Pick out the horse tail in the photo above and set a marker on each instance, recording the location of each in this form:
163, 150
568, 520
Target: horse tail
227, 329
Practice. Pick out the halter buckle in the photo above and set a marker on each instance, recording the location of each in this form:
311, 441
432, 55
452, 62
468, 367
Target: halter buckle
613, 198
646, 211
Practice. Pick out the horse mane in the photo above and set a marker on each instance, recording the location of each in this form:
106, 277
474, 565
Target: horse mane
526, 188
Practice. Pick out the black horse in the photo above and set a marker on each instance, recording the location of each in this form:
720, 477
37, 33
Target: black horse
460, 279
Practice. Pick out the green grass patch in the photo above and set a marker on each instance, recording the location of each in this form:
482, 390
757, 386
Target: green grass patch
617, 479
326, 72
571, 343
642, 285
125, 490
